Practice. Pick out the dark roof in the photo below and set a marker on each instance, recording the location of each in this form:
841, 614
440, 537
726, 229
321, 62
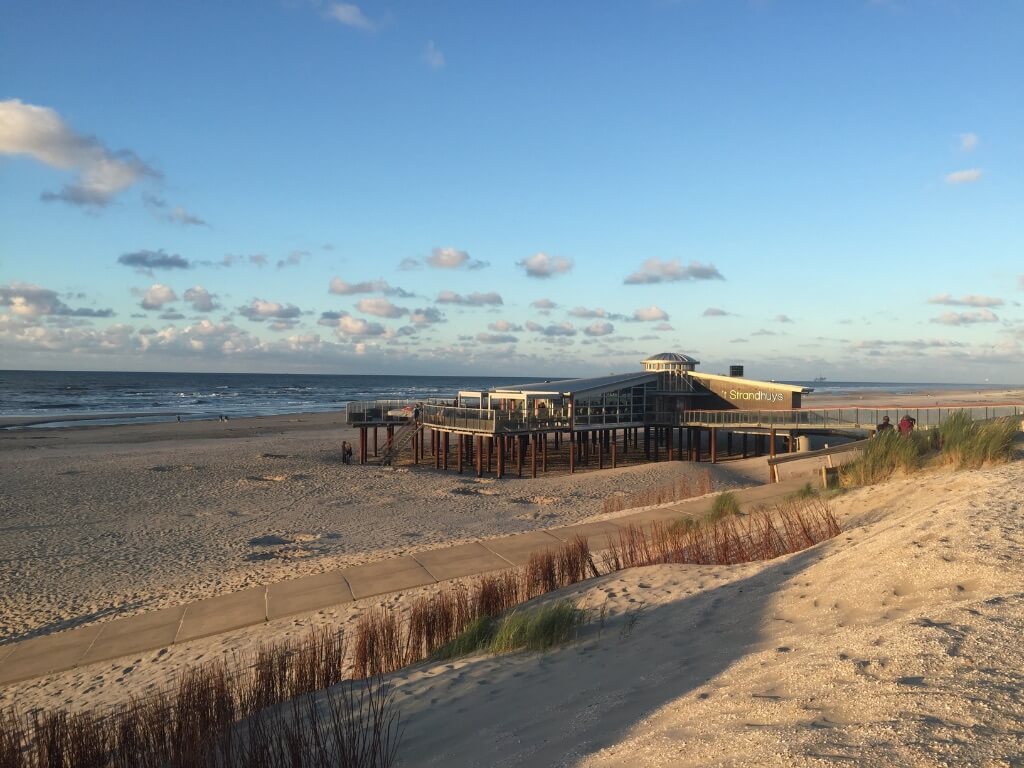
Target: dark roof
575, 386
672, 357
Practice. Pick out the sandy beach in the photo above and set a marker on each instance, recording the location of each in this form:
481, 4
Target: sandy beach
894, 644
100, 522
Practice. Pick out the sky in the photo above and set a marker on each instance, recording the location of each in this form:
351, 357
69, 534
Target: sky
514, 188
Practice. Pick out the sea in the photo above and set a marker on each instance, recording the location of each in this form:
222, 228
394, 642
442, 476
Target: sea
47, 399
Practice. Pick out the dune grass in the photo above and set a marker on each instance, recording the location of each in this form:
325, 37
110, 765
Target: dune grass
535, 629
960, 442
807, 491
968, 444
884, 455
725, 505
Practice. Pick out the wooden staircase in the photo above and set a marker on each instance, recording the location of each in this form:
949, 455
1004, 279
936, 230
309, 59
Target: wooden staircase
401, 438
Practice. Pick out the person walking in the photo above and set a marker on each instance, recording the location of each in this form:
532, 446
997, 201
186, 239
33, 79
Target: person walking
346, 452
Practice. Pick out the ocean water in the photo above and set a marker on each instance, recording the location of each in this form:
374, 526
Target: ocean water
58, 398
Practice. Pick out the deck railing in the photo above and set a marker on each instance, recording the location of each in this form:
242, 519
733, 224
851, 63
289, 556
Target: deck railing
843, 418
491, 421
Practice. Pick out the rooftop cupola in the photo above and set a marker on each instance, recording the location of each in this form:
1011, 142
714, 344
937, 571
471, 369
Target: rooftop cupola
670, 362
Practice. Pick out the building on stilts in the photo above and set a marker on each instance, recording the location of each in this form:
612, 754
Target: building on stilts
667, 411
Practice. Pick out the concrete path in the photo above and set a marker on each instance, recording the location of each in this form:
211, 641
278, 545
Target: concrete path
148, 631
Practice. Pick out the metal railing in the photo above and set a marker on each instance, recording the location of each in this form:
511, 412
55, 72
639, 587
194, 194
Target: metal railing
843, 418
491, 421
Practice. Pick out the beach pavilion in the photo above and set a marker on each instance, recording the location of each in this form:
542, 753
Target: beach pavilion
660, 412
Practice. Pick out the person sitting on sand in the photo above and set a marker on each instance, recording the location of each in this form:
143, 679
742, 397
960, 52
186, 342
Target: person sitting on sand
885, 425
907, 424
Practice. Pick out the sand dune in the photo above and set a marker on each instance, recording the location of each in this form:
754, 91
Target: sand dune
895, 644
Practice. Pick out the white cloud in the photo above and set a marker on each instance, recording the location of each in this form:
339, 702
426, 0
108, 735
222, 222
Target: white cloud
967, 176
496, 338
657, 271
341, 288
968, 141
200, 299
599, 328
380, 307
715, 312
425, 316
544, 306
504, 326
966, 318
783, 319
448, 258
471, 300
551, 331
542, 265
433, 56
971, 300
158, 295
259, 310
25, 300
650, 314
40, 133
350, 15
355, 326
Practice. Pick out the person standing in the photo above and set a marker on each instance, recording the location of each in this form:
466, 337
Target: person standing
346, 452
884, 426
907, 424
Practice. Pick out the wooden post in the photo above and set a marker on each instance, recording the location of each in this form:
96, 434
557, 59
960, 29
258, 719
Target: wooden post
519, 455
656, 441
713, 438
375, 442
614, 462
668, 443
489, 450
600, 452
391, 436
533, 455
744, 441
362, 445
500, 464
728, 443
444, 451
647, 443
544, 452
478, 448
771, 446
461, 439
572, 452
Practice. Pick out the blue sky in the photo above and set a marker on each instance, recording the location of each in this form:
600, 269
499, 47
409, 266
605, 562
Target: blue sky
514, 188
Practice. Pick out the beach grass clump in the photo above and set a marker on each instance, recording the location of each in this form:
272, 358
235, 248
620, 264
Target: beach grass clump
969, 444
807, 491
536, 629
725, 505
884, 455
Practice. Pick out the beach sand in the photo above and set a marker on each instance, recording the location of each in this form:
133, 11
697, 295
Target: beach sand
896, 643
100, 522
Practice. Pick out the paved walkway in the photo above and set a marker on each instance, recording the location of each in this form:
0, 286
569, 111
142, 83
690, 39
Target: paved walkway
148, 631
